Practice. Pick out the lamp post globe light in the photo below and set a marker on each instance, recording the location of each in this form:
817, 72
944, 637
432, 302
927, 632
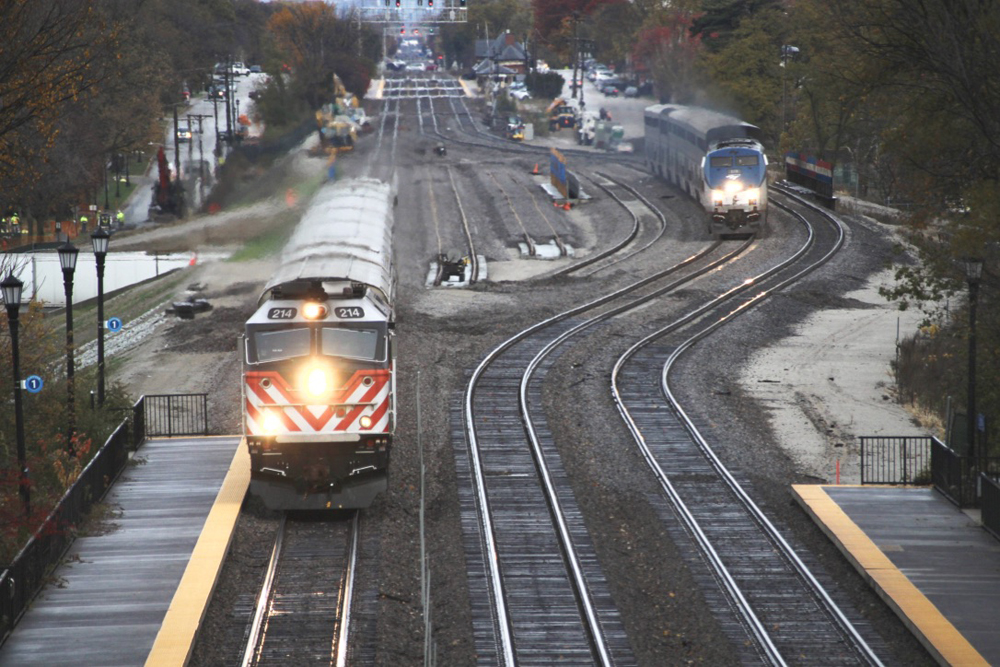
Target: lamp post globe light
100, 240
67, 260
973, 274
11, 287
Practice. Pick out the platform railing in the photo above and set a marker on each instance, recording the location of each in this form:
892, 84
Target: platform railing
991, 503
175, 414
896, 459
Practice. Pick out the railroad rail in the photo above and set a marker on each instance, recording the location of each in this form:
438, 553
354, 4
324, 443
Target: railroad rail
548, 597
781, 605
303, 609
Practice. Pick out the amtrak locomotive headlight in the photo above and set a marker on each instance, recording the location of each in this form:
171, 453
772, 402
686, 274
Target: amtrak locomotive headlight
312, 310
753, 195
732, 187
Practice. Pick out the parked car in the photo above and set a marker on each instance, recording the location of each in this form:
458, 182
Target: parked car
631, 91
255, 69
237, 68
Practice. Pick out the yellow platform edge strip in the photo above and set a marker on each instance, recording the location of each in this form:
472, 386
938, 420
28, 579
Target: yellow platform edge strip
176, 637
919, 614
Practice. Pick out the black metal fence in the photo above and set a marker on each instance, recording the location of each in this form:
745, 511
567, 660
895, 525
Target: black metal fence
951, 474
991, 503
896, 459
175, 414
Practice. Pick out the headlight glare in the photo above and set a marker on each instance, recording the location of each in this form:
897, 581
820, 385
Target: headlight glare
317, 383
312, 310
732, 187
366, 421
271, 422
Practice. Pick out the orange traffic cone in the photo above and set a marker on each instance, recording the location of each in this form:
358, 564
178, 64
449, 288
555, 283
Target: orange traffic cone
535, 172
567, 206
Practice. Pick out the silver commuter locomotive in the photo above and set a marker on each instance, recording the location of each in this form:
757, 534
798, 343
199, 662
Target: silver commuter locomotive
318, 364
716, 159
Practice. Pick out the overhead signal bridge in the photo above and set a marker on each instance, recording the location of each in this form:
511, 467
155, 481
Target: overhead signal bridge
415, 11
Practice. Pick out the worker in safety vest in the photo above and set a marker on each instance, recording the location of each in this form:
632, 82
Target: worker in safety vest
120, 217
83, 223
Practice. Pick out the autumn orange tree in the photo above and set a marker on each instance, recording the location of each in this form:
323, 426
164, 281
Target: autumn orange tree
670, 53
315, 44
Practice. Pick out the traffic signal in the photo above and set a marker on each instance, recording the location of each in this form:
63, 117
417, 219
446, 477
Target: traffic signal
402, 31
397, 4
461, 3
430, 3
416, 31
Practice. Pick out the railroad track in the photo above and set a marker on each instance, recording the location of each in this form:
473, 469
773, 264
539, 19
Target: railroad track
303, 609
544, 596
783, 612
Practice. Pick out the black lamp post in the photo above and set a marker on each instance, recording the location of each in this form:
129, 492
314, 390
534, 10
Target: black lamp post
11, 287
100, 239
973, 274
67, 259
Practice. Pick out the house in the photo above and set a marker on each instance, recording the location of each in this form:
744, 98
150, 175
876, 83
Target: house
501, 56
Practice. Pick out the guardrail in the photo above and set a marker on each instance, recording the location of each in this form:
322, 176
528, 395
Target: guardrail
896, 459
991, 503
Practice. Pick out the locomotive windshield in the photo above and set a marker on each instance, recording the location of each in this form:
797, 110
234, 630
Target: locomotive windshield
720, 161
350, 343
282, 344
747, 161
367, 343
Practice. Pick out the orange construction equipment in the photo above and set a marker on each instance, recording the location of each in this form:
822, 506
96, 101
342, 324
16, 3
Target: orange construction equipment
567, 206
535, 172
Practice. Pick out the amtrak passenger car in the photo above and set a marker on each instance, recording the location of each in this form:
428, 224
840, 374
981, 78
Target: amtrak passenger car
318, 369
714, 158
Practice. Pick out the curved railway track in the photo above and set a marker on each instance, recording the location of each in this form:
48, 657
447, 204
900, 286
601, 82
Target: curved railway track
303, 609
789, 617
548, 598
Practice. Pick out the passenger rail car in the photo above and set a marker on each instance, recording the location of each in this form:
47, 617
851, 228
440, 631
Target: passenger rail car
318, 357
714, 158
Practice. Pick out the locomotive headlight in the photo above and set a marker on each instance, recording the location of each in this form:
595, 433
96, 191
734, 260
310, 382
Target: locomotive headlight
366, 421
317, 382
732, 187
271, 422
312, 310
753, 194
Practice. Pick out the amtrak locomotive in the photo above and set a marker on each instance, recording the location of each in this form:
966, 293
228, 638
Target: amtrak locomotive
318, 357
714, 158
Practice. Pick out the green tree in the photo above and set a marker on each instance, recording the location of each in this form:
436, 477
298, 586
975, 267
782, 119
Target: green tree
745, 73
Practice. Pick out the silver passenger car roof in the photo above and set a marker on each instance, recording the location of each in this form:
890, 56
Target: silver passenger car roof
344, 236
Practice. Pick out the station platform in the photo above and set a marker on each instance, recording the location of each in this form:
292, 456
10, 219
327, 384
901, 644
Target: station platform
138, 585
934, 565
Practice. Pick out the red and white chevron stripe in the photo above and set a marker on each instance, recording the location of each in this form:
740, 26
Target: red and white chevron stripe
269, 390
